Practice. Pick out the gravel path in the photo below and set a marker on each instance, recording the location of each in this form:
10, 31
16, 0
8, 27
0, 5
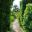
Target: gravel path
16, 26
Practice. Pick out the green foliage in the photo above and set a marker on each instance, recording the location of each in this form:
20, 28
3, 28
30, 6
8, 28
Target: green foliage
11, 19
5, 14
26, 22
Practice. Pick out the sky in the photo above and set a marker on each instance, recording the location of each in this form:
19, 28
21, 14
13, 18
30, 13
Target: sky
16, 2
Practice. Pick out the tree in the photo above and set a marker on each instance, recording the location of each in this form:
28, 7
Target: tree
24, 2
5, 14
